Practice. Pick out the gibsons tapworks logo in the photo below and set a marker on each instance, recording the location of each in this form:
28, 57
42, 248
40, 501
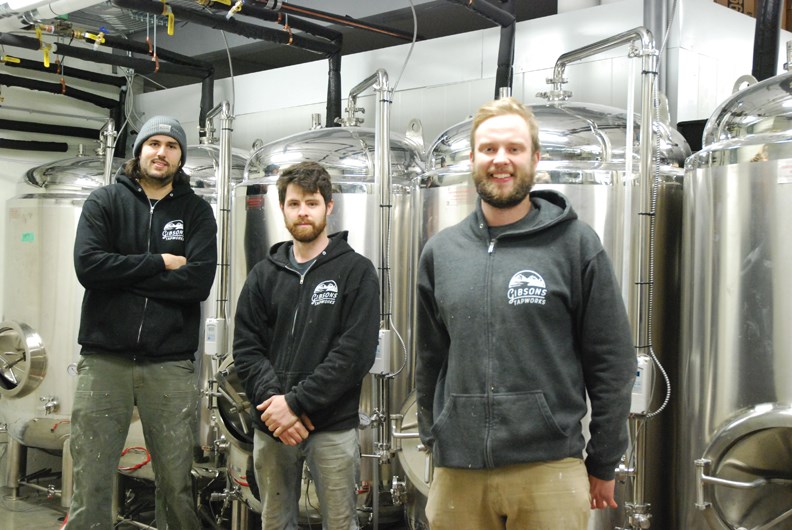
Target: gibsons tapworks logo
526, 287
325, 293
173, 231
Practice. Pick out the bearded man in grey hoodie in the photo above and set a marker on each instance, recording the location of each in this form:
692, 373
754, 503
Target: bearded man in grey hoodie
519, 317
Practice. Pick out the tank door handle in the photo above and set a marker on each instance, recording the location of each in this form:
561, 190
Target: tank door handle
702, 466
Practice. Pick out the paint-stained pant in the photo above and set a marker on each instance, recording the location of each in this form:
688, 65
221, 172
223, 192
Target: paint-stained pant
539, 496
333, 459
166, 395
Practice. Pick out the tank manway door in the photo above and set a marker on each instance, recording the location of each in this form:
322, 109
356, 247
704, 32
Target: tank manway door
23, 359
744, 480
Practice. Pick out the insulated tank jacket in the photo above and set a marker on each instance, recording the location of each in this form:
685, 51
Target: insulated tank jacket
132, 305
309, 337
512, 332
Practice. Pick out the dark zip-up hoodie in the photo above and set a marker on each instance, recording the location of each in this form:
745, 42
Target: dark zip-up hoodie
310, 337
512, 332
133, 306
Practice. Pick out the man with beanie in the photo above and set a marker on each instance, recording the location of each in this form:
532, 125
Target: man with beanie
146, 253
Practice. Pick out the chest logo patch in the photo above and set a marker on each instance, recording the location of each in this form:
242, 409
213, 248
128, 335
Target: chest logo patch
173, 231
325, 293
526, 287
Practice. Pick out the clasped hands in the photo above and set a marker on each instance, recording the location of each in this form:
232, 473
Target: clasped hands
282, 422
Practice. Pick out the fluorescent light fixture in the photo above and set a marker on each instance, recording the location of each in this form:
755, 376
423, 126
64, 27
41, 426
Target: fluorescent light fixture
24, 5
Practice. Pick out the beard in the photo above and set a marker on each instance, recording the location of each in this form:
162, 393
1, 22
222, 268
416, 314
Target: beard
491, 193
306, 234
162, 179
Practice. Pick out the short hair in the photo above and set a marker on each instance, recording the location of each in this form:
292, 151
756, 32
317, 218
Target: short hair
310, 176
502, 107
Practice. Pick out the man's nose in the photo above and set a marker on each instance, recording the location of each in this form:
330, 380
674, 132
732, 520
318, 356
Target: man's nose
500, 156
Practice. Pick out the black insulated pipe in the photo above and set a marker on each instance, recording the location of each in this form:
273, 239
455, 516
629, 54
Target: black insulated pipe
69, 72
333, 110
207, 104
30, 145
119, 116
488, 11
504, 76
19, 41
766, 39
57, 88
44, 128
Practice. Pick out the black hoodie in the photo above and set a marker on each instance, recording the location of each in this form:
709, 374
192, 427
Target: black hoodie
133, 306
310, 337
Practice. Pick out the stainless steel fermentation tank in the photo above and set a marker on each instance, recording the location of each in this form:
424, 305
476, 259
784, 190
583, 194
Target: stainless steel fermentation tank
42, 299
584, 153
42, 303
348, 153
735, 457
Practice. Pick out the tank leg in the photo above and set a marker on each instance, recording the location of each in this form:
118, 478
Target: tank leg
15, 465
117, 492
239, 515
67, 478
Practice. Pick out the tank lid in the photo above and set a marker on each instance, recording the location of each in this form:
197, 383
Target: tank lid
761, 110
81, 172
346, 152
572, 133
87, 173
203, 163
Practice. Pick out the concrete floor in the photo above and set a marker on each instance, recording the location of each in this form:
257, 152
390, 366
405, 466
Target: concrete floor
33, 511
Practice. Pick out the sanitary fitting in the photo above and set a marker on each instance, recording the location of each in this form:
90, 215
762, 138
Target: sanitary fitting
638, 515
557, 93
398, 491
51, 404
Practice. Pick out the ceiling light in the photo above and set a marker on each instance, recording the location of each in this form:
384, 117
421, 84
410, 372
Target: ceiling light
24, 5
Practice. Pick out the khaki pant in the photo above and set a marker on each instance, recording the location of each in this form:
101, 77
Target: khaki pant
537, 496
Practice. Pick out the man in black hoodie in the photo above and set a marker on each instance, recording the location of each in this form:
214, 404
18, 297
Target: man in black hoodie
305, 336
146, 253
519, 317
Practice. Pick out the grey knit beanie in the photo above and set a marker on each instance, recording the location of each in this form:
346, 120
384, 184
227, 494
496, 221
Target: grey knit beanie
162, 125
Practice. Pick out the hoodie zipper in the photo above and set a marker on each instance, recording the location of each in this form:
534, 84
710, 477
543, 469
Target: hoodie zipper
148, 249
297, 307
488, 380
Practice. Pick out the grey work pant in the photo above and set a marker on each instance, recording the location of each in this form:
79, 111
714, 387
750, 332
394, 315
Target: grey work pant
108, 387
333, 459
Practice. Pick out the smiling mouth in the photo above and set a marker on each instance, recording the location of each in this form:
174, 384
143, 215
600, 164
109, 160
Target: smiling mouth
500, 176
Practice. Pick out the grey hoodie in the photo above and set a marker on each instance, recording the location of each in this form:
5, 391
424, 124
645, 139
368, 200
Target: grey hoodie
512, 332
